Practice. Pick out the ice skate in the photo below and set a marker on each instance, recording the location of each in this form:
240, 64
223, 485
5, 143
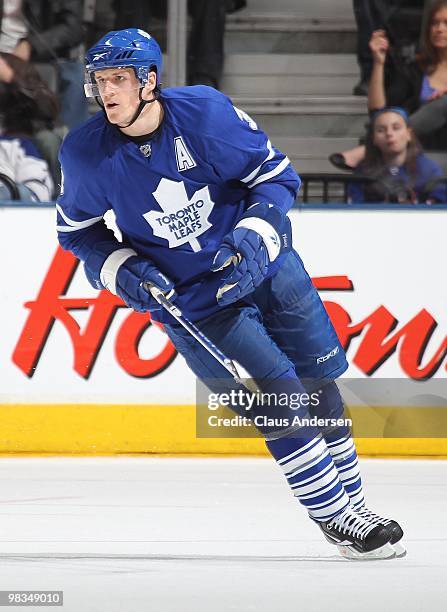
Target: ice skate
384, 552
396, 529
358, 537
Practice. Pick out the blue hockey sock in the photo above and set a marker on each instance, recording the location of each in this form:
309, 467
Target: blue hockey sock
341, 445
311, 474
344, 455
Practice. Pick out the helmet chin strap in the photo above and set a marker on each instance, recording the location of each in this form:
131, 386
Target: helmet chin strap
139, 109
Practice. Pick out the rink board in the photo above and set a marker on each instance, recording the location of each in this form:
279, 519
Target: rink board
82, 374
108, 429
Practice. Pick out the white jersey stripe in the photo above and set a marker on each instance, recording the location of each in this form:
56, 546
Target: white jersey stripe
69, 228
77, 224
265, 177
256, 171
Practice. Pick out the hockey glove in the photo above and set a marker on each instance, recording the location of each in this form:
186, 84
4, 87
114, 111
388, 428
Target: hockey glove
261, 234
123, 273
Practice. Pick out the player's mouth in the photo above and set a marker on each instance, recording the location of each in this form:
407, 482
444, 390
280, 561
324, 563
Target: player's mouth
111, 105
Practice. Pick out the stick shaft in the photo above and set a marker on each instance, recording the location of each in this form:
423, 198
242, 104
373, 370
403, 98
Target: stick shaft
194, 331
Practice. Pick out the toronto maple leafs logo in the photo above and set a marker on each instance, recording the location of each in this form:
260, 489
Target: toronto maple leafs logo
183, 220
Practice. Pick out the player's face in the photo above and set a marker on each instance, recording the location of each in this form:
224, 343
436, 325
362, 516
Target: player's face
438, 29
118, 88
391, 133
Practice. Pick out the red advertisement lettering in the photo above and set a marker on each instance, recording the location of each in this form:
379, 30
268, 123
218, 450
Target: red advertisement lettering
380, 333
51, 306
378, 342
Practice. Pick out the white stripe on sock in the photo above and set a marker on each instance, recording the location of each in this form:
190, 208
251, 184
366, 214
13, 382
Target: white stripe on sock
299, 451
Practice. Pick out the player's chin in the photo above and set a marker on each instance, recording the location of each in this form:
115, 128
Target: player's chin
113, 116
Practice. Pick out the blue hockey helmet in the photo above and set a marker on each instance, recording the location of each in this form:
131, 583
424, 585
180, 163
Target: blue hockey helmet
131, 48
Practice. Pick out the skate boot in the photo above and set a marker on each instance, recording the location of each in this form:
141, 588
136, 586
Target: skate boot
357, 537
396, 530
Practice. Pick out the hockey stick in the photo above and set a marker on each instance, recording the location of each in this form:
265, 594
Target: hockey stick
173, 310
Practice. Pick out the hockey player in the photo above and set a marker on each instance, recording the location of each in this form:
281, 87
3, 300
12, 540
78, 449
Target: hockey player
201, 198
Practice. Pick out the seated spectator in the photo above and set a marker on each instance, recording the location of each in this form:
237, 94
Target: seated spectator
394, 159
402, 18
419, 86
49, 32
26, 105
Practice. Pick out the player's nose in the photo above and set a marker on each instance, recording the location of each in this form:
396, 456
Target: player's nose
108, 89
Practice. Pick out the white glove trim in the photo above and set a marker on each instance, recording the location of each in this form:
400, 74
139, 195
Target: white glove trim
111, 265
267, 232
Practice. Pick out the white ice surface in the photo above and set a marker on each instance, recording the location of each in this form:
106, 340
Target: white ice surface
210, 535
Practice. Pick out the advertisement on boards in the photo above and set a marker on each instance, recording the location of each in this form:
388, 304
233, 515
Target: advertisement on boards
379, 274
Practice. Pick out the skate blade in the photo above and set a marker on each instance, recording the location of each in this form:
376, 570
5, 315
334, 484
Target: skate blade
399, 550
384, 552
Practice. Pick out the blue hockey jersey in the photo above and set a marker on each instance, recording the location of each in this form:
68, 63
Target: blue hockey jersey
176, 195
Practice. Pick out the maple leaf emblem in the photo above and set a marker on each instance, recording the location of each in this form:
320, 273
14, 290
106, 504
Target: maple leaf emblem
183, 220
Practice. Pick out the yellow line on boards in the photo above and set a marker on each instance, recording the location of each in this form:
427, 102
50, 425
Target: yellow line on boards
100, 429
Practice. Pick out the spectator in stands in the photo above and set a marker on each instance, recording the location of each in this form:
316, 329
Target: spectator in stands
394, 159
205, 42
369, 17
419, 87
26, 105
49, 31
401, 18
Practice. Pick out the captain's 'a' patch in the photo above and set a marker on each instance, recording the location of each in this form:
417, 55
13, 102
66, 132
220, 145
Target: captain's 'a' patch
184, 158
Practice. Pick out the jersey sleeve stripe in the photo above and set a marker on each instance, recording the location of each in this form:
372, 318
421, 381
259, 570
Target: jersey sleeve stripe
69, 228
256, 171
265, 177
77, 224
